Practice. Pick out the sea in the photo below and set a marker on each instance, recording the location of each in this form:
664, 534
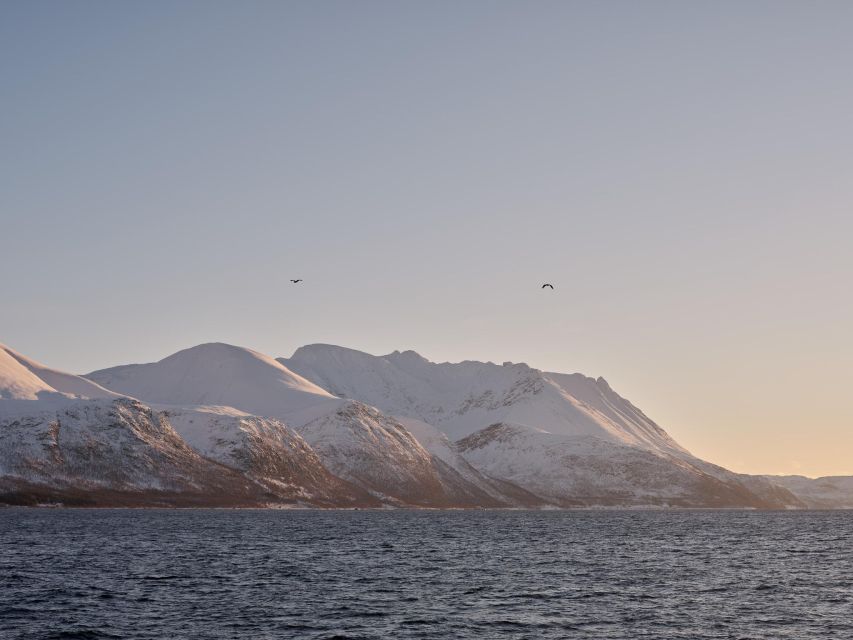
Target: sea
258, 574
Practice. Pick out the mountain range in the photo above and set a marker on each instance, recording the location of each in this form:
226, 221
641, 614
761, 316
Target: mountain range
220, 425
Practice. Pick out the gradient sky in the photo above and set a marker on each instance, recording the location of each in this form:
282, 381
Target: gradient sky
681, 171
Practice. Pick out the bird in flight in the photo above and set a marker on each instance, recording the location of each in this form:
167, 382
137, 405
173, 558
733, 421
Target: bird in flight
547, 285
295, 281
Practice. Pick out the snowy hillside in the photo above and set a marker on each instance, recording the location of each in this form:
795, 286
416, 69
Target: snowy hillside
65, 438
575, 440
24, 379
265, 450
440, 447
92, 449
590, 471
355, 442
463, 398
219, 424
219, 375
371, 450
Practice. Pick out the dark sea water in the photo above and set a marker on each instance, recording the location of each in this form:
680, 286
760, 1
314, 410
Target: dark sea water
422, 574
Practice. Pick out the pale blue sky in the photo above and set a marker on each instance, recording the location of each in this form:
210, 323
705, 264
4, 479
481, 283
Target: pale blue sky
681, 171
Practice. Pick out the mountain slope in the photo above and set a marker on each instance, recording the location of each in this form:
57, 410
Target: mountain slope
230, 426
463, 398
440, 447
98, 449
66, 438
267, 451
373, 451
24, 379
355, 442
590, 471
219, 375
578, 419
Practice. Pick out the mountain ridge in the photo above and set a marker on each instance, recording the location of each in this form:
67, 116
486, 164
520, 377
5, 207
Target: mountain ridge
336, 427
406, 383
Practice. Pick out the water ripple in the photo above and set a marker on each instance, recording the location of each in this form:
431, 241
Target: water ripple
662, 575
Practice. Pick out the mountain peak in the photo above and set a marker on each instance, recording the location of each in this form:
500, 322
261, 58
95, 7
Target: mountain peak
408, 356
217, 374
215, 350
323, 350
22, 378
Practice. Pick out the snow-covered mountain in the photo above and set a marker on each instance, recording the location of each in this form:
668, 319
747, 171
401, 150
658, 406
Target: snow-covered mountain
66, 438
91, 450
567, 438
219, 424
219, 374
62, 430
355, 442
267, 451
441, 448
586, 470
463, 398
24, 379
360, 444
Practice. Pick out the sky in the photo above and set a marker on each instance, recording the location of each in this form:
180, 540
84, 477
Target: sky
680, 171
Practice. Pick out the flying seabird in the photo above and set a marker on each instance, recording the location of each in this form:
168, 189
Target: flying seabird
295, 281
547, 285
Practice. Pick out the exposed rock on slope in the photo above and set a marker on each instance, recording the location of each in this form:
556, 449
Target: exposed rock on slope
440, 447
113, 446
371, 450
268, 452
